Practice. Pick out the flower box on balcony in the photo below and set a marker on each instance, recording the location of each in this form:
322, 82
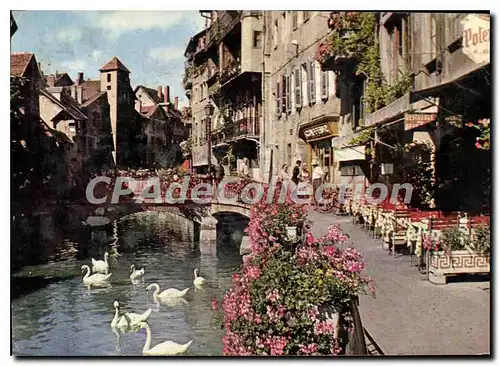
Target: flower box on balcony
441, 265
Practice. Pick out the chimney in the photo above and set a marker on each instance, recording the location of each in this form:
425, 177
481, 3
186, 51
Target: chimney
176, 103
79, 80
160, 93
166, 95
57, 74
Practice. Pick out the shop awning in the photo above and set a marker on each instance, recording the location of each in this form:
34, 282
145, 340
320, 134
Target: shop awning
350, 153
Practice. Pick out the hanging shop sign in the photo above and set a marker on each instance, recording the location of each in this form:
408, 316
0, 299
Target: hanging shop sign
414, 120
317, 132
476, 37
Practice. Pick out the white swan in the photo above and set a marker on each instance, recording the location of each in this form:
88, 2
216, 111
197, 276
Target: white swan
136, 273
128, 319
166, 348
198, 280
166, 294
96, 278
101, 266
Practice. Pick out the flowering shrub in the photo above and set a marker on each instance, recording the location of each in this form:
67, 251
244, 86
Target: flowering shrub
268, 222
291, 302
483, 126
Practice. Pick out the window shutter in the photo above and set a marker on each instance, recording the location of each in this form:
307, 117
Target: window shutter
288, 94
308, 82
283, 94
313, 82
298, 88
278, 99
324, 85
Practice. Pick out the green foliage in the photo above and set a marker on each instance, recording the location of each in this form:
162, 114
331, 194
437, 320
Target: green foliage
454, 239
355, 36
481, 241
362, 138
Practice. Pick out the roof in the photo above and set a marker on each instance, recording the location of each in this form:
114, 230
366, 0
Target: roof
193, 42
114, 64
53, 80
66, 103
59, 136
90, 88
19, 61
149, 111
153, 94
93, 99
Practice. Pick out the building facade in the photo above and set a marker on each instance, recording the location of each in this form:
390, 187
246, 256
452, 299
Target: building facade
303, 113
224, 67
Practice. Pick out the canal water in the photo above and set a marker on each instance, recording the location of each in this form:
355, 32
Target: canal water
56, 315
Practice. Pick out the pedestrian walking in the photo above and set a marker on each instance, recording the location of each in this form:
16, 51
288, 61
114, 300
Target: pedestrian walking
317, 178
296, 172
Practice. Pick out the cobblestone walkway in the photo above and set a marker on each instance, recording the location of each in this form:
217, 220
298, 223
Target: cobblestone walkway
411, 316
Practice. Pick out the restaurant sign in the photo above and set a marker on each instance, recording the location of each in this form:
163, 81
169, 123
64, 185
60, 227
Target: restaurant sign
317, 132
476, 37
414, 120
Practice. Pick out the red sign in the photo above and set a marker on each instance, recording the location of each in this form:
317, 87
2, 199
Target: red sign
415, 120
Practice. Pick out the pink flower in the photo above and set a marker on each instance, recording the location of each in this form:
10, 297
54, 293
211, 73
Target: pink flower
469, 124
310, 239
329, 250
324, 327
273, 295
308, 349
215, 305
253, 272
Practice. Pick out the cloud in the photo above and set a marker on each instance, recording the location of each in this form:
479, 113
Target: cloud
74, 65
69, 35
95, 55
118, 22
167, 53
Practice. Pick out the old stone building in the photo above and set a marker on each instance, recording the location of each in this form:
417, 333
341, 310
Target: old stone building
303, 111
350, 90
163, 127
224, 66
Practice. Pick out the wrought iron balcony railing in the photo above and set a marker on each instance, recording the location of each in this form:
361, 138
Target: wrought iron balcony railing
222, 26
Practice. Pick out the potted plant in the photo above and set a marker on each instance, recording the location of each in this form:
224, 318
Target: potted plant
457, 253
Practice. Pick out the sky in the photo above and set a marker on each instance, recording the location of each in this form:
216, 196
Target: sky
150, 44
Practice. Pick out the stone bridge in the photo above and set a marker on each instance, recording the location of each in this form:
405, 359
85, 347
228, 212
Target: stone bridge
215, 214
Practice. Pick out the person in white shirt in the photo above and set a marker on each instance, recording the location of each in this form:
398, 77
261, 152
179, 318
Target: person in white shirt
317, 177
244, 168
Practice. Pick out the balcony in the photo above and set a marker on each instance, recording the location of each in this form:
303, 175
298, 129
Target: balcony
212, 75
231, 70
245, 127
222, 27
187, 79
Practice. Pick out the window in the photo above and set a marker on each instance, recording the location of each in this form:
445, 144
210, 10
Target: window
278, 99
109, 78
257, 39
298, 87
311, 81
201, 92
305, 15
288, 100
324, 85
283, 94
108, 87
295, 20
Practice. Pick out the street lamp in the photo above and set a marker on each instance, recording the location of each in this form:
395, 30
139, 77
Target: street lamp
209, 111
